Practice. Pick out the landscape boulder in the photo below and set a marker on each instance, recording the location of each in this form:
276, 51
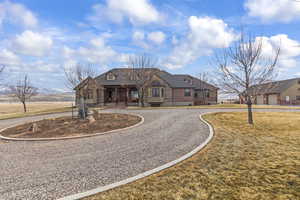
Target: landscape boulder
34, 128
91, 119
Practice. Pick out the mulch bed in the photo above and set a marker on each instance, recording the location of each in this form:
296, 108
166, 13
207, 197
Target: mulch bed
66, 126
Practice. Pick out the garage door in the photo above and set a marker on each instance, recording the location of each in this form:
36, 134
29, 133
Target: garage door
273, 99
260, 100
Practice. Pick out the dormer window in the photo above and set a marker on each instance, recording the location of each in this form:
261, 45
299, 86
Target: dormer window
110, 77
188, 81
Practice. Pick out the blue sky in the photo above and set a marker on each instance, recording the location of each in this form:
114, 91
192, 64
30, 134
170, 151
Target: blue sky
41, 37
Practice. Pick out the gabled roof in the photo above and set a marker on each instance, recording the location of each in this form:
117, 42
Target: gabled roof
122, 74
82, 83
275, 87
196, 82
174, 81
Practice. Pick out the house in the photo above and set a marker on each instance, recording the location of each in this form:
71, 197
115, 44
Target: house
117, 86
285, 92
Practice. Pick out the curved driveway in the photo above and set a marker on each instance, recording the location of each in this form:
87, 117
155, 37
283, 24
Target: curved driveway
54, 169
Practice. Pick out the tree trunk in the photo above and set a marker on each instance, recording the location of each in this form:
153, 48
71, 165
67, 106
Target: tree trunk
24, 106
142, 98
250, 114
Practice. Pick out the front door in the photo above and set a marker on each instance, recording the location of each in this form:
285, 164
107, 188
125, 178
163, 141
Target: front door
122, 94
109, 95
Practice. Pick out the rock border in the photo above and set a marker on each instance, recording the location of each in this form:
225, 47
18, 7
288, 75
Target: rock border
147, 173
69, 137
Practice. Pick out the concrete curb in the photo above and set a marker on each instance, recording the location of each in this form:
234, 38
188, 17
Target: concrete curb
71, 137
147, 173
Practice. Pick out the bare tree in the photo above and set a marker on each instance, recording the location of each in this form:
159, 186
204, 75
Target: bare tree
203, 86
243, 68
75, 74
2, 67
141, 71
23, 91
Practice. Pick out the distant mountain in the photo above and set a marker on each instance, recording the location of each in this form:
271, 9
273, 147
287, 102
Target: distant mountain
5, 90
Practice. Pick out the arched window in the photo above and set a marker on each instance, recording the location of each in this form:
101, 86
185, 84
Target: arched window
155, 83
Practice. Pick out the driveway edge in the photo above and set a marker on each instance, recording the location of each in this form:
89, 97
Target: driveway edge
147, 173
67, 138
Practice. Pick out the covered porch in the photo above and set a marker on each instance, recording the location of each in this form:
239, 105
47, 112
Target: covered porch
119, 94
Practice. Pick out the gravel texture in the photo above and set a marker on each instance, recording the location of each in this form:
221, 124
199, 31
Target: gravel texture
54, 169
50, 170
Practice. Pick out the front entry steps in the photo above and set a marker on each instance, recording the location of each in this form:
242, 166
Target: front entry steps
120, 105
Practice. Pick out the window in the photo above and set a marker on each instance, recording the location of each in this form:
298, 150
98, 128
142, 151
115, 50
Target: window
110, 76
187, 92
287, 98
207, 94
134, 94
298, 98
155, 92
155, 83
90, 94
162, 92
298, 81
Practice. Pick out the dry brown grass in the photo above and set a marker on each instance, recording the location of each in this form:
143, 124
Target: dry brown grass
229, 106
242, 162
13, 110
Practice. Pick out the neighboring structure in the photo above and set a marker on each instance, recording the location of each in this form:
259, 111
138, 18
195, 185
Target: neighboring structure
163, 89
285, 92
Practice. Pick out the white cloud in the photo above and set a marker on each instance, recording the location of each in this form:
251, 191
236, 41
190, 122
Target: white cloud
157, 37
138, 35
67, 52
8, 58
143, 39
17, 14
174, 40
138, 12
273, 10
205, 34
138, 38
97, 52
32, 44
289, 49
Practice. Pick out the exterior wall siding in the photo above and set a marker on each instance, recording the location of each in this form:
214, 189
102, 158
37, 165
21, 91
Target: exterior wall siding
212, 99
179, 98
292, 93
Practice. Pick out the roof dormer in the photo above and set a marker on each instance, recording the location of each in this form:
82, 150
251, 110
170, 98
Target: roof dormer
110, 76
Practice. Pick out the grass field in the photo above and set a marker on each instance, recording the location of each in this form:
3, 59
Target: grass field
13, 110
242, 162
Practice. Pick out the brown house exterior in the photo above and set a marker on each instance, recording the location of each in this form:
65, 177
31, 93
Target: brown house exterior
285, 92
162, 89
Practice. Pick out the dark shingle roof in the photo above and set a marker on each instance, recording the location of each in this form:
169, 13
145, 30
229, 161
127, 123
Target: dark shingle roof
275, 87
196, 82
174, 81
122, 74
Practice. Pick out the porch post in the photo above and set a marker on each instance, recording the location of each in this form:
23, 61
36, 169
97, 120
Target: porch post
116, 95
127, 95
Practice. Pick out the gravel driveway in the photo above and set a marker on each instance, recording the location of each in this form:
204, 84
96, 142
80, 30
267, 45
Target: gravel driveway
54, 169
